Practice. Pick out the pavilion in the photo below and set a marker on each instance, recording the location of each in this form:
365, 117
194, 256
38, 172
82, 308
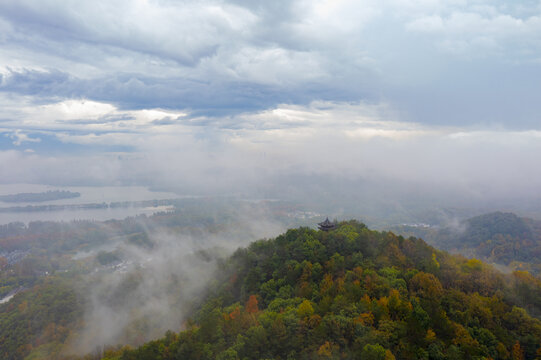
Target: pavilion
327, 225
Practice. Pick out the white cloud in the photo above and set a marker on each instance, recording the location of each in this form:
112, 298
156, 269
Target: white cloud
345, 140
20, 137
469, 33
328, 19
91, 122
501, 137
211, 54
83, 116
73, 110
244, 90
274, 66
184, 32
432, 23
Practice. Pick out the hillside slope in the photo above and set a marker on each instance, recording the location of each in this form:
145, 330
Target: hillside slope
354, 293
501, 238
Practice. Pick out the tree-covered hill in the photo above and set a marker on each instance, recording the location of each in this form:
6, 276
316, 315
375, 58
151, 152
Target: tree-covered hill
39, 320
67, 286
487, 226
353, 293
501, 238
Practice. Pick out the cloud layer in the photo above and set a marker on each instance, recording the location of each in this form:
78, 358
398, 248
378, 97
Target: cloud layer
224, 57
214, 95
254, 153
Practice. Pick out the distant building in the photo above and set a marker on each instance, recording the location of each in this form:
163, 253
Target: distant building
327, 225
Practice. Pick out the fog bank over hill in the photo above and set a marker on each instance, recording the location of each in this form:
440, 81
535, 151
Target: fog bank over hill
211, 124
160, 276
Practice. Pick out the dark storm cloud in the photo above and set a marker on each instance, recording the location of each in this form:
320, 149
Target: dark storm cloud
32, 82
137, 91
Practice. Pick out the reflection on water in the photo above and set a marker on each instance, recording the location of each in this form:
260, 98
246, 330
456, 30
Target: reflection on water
88, 214
89, 195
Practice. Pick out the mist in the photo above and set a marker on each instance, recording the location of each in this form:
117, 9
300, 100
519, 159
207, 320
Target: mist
269, 115
157, 283
428, 103
321, 154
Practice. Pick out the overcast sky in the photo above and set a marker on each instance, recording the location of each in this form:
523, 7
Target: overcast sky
130, 91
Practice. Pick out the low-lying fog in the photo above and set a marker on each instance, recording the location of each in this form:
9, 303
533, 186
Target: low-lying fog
153, 289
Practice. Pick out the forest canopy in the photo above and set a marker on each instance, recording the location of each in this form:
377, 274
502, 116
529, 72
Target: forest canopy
358, 294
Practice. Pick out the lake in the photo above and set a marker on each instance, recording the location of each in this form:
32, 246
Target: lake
89, 195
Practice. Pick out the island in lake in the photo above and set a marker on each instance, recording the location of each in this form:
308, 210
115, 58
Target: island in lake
39, 197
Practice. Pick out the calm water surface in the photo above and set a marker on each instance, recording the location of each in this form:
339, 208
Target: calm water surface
89, 195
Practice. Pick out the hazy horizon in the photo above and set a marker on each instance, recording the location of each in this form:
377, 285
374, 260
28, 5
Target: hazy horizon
428, 101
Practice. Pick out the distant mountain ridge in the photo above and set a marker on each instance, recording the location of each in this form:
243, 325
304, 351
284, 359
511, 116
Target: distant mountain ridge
486, 227
39, 197
498, 237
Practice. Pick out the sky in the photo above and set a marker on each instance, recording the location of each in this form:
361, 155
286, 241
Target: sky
222, 95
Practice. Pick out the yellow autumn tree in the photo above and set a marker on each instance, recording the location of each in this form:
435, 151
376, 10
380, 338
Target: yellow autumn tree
251, 305
517, 353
